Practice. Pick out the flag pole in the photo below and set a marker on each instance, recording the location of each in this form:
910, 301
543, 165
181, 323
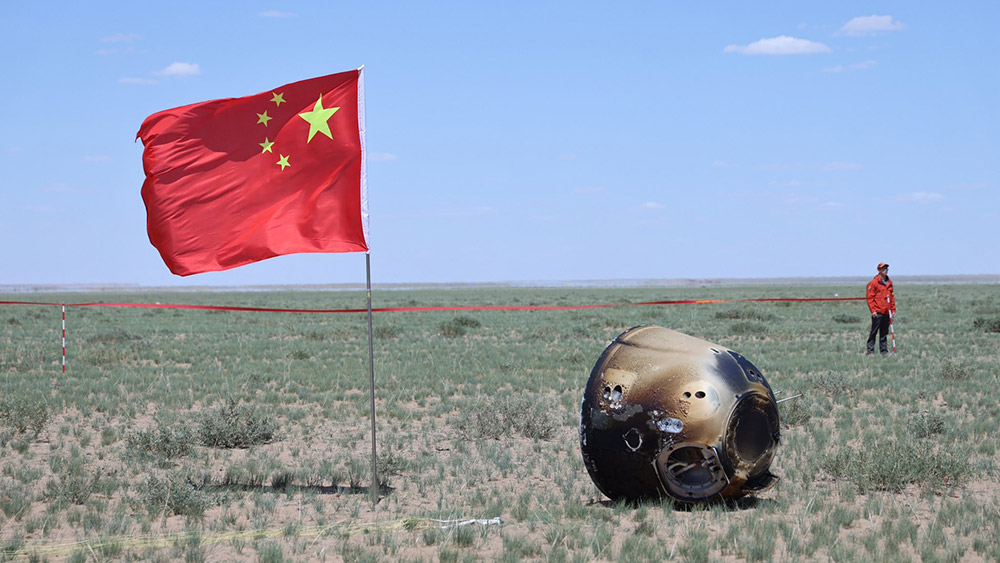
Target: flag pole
371, 375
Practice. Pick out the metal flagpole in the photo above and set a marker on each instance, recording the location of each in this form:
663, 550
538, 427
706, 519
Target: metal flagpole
371, 375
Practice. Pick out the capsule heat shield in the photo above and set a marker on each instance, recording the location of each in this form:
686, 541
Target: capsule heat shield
665, 413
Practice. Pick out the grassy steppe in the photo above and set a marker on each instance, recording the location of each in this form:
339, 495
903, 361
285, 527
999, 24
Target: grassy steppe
206, 435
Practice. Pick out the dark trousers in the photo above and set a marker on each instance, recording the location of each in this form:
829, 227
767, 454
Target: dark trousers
880, 326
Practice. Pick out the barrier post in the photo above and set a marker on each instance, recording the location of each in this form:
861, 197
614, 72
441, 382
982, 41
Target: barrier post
64, 338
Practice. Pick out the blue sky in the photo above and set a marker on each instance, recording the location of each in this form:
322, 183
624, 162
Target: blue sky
524, 141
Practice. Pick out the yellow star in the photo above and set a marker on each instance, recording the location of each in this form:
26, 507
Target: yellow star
318, 118
283, 162
266, 145
263, 118
278, 99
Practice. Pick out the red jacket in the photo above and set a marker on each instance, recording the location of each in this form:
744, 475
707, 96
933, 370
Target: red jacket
880, 297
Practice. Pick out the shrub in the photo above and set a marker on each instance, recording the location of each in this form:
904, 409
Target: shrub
162, 441
387, 464
73, 487
833, 383
954, 371
25, 415
890, 465
458, 326
385, 332
745, 315
235, 425
794, 412
748, 328
847, 319
171, 497
987, 324
497, 418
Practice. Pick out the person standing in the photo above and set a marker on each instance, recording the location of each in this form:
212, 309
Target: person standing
881, 303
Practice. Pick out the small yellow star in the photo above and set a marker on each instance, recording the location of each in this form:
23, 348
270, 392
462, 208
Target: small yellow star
266, 145
263, 118
278, 99
283, 162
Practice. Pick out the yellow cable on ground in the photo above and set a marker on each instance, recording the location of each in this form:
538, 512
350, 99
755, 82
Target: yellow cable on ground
131, 542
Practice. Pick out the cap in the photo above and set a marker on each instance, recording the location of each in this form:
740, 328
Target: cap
882, 265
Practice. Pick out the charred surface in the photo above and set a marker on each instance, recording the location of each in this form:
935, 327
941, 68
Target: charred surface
665, 413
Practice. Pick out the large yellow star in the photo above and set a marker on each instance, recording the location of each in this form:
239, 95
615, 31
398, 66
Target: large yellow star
266, 146
278, 99
283, 162
318, 118
263, 118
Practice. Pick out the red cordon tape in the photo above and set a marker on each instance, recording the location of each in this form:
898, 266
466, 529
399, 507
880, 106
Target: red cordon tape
404, 309
441, 308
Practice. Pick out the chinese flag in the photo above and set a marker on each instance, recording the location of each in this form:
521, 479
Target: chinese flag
239, 180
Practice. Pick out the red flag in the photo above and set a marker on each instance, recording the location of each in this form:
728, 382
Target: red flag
238, 180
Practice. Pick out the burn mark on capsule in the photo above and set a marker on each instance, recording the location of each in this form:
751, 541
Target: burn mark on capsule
633, 439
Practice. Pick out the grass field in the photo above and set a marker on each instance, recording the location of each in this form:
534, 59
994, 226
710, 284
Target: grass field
210, 435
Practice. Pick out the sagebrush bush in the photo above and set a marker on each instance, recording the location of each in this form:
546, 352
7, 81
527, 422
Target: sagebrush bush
172, 497
987, 324
385, 332
745, 315
927, 424
793, 412
235, 425
890, 465
833, 383
847, 319
24, 414
954, 371
458, 326
505, 416
161, 441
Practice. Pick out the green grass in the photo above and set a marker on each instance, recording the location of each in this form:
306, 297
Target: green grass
198, 426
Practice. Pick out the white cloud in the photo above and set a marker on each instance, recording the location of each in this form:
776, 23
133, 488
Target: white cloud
382, 157
276, 14
129, 80
121, 38
181, 69
652, 205
781, 45
870, 25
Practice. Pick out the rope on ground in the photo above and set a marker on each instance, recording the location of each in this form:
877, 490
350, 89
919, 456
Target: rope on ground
208, 538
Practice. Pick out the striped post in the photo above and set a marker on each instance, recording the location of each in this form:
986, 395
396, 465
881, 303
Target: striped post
892, 331
64, 338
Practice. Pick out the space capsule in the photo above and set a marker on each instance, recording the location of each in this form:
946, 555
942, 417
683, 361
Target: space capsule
665, 413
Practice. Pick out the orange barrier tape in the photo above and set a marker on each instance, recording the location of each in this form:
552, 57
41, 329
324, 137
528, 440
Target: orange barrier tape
439, 308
